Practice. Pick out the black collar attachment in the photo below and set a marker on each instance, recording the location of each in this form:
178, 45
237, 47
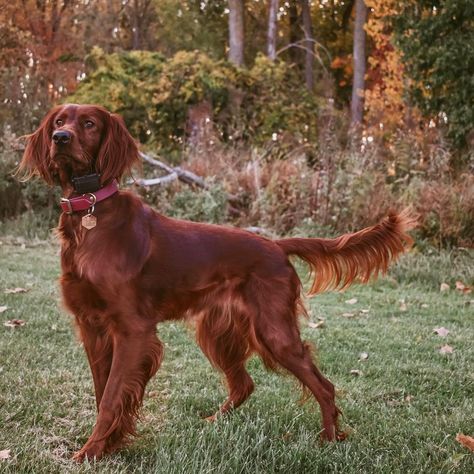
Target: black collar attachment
86, 184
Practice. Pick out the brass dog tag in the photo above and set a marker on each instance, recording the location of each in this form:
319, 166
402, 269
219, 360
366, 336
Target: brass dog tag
89, 221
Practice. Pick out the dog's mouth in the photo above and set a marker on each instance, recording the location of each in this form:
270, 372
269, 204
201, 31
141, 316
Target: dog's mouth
62, 155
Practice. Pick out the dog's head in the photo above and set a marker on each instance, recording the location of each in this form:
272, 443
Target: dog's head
76, 140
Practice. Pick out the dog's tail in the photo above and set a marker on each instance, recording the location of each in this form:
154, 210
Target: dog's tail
337, 263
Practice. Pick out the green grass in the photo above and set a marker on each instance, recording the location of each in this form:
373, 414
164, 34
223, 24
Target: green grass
403, 411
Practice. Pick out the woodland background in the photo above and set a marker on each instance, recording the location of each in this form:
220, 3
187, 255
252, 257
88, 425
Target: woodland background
303, 116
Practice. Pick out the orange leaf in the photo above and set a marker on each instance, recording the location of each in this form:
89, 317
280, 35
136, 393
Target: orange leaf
466, 441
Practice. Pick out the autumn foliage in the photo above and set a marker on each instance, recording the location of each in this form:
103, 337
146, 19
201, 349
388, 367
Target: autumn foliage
285, 153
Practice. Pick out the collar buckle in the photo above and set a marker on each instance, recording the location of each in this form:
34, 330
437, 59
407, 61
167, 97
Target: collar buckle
68, 204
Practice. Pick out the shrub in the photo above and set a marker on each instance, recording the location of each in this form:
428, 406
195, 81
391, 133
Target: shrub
157, 97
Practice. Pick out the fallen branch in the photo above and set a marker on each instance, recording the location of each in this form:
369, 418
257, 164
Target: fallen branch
185, 176
177, 172
153, 181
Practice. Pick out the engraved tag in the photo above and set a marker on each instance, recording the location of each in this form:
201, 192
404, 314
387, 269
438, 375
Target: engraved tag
89, 221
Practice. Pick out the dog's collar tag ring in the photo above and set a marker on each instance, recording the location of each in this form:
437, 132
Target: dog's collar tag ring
89, 221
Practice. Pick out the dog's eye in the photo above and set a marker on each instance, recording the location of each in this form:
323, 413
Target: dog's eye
88, 124
59, 123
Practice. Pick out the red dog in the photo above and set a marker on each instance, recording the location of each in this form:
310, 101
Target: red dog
125, 268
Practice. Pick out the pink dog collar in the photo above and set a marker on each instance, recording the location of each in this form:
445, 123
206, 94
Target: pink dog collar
86, 201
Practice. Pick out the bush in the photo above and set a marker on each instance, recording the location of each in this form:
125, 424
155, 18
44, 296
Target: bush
164, 100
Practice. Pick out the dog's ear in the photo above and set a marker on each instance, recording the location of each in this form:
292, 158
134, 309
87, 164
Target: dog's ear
36, 159
118, 152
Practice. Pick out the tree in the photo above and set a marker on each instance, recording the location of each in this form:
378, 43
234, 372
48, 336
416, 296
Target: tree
272, 29
308, 44
386, 108
236, 32
437, 40
358, 84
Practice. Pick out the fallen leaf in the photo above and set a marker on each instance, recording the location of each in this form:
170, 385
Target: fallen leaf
442, 331
5, 454
317, 325
364, 311
424, 305
153, 394
446, 349
352, 301
3, 308
444, 287
355, 372
15, 290
363, 356
460, 286
348, 315
409, 398
14, 323
466, 441
403, 306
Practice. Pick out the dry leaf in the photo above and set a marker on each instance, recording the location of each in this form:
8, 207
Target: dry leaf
317, 325
363, 356
352, 301
424, 305
446, 349
444, 287
355, 372
153, 394
14, 323
409, 398
403, 306
15, 290
348, 315
466, 441
5, 454
442, 331
460, 286
364, 311
3, 308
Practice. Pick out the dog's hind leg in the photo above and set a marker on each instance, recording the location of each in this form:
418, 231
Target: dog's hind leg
279, 343
225, 344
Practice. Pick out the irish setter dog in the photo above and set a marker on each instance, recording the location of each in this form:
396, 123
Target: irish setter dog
132, 268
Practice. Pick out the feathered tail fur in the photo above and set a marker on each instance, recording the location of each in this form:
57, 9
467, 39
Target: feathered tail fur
337, 263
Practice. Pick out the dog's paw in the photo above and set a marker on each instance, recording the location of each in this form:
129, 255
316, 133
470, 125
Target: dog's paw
90, 452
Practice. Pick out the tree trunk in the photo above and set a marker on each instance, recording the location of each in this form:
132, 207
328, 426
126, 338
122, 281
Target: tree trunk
236, 32
308, 44
293, 18
359, 62
272, 29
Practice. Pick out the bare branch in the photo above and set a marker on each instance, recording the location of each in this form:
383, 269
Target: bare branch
185, 176
154, 181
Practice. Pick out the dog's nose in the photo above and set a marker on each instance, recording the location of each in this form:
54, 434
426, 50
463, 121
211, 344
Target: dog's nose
62, 137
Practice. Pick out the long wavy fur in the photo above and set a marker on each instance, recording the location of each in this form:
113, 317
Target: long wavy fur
337, 263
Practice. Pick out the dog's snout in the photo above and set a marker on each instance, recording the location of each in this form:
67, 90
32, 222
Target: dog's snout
62, 137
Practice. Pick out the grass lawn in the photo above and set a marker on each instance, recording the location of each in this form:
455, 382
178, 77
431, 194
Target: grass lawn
403, 409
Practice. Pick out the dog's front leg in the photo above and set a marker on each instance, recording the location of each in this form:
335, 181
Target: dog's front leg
98, 346
137, 355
